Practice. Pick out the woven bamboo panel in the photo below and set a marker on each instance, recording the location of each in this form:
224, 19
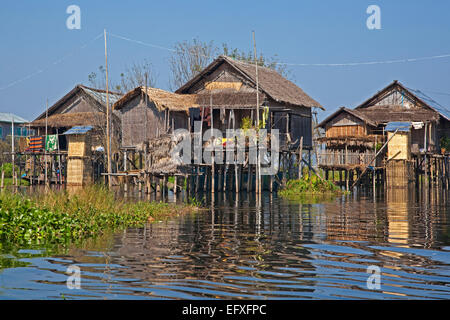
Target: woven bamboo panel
223, 85
79, 172
77, 146
79, 167
345, 131
399, 147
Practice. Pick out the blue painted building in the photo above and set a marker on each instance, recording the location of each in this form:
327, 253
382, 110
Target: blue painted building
20, 125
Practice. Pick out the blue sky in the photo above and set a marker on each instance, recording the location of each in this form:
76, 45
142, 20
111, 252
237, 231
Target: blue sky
34, 35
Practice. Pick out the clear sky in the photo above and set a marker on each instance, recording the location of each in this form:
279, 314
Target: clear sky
34, 36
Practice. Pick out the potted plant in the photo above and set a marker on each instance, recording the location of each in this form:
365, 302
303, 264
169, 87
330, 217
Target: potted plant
445, 144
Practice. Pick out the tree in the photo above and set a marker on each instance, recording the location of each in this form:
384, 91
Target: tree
191, 57
188, 60
98, 81
138, 74
249, 57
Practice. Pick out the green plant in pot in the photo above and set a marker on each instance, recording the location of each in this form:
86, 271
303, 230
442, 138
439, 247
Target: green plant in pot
445, 144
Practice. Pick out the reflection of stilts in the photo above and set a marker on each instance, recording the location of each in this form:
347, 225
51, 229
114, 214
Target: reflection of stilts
397, 202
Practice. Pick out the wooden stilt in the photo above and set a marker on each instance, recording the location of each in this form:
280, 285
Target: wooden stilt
213, 174
175, 185
236, 177
250, 178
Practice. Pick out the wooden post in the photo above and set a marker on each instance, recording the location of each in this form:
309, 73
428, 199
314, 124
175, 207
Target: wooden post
219, 173
347, 178
250, 178
225, 177
258, 164
309, 161
175, 185
271, 184
108, 129
197, 178
300, 158
34, 170
164, 185
236, 176
3, 179
425, 155
213, 173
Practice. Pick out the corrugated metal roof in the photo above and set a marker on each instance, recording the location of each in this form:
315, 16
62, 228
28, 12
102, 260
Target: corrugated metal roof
8, 117
101, 96
78, 130
444, 111
401, 126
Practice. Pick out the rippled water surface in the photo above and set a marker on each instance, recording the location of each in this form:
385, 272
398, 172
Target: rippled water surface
280, 249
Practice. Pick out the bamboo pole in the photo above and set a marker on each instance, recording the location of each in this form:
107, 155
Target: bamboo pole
258, 164
45, 145
425, 156
108, 129
376, 155
300, 156
12, 147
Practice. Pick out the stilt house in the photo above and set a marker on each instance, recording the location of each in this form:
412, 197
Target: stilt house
227, 90
147, 113
82, 106
358, 132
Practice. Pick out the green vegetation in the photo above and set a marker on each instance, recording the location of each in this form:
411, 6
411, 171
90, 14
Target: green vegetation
10, 182
62, 217
445, 143
7, 168
309, 185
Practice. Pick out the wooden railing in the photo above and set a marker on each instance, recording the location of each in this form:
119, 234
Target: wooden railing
340, 158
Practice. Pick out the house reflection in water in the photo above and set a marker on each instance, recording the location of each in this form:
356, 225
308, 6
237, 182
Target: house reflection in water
404, 217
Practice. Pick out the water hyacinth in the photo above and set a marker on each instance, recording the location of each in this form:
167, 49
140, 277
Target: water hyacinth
309, 185
63, 217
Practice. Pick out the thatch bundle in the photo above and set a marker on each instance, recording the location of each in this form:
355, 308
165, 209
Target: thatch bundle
161, 158
72, 120
161, 98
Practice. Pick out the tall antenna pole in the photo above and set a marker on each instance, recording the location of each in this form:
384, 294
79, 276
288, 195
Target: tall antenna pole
12, 147
108, 137
258, 165
45, 142
146, 104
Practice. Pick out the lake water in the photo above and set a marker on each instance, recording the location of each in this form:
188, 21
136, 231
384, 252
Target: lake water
316, 249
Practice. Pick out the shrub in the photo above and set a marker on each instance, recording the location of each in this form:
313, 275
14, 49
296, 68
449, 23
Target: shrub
7, 168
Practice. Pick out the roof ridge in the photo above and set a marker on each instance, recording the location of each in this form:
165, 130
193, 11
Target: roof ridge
249, 63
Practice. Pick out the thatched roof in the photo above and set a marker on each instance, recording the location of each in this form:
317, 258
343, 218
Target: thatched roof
161, 98
72, 119
97, 96
270, 82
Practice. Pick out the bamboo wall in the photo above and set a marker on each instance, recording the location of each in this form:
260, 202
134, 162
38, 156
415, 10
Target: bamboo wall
137, 118
79, 166
342, 131
399, 147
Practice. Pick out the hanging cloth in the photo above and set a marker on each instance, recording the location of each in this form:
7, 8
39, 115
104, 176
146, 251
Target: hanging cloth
51, 142
265, 116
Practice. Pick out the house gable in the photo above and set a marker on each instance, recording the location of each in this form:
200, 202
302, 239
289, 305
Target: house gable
395, 95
